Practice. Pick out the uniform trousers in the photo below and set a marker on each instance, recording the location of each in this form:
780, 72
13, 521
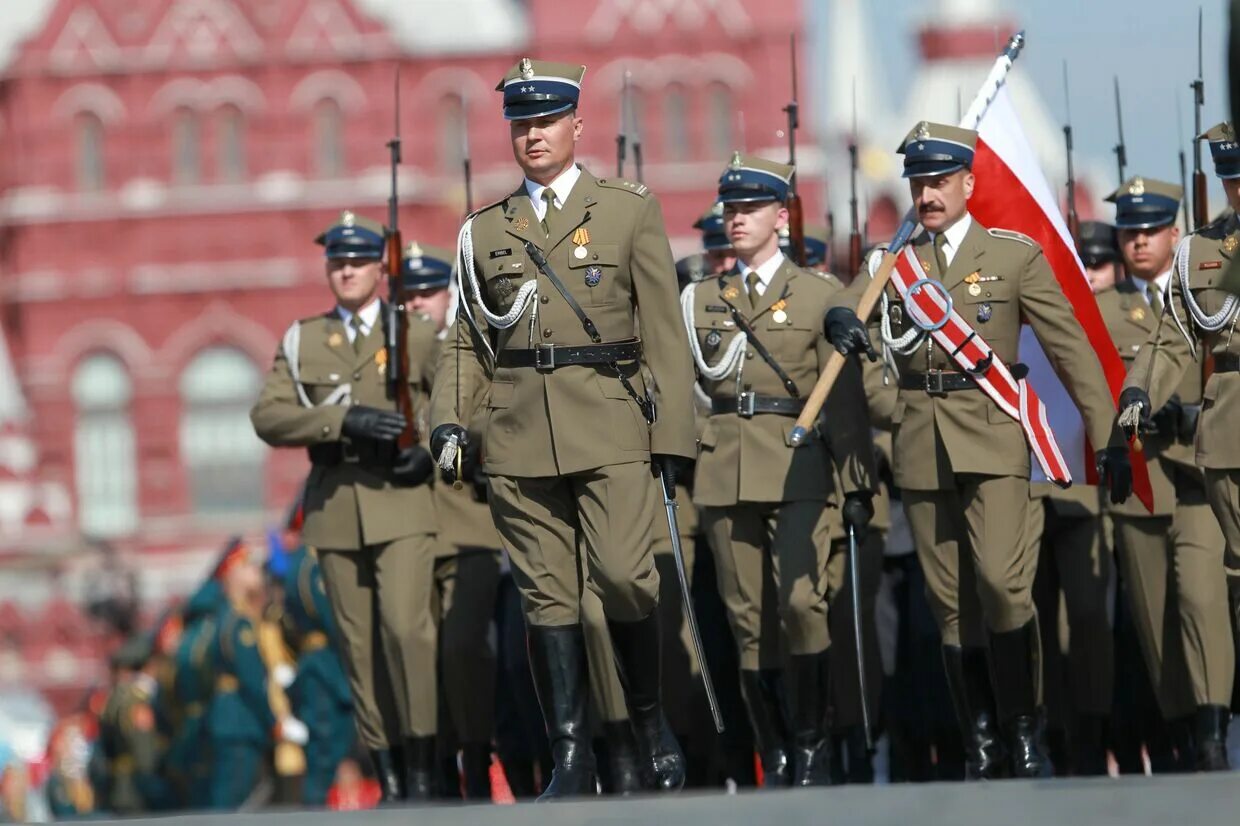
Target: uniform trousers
1173, 567
1223, 493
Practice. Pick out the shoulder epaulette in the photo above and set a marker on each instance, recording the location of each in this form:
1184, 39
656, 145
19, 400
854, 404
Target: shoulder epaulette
625, 185
1012, 235
829, 278
1216, 230
324, 316
489, 206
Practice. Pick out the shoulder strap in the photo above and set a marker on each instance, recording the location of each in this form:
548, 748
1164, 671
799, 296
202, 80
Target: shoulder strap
747, 328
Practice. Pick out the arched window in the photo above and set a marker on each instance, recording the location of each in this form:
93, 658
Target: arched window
676, 122
186, 147
721, 118
89, 152
329, 160
218, 446
105, 467
230, 143
452, 127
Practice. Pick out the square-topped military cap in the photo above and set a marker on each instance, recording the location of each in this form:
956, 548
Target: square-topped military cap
1223, 149
1145, 203
1095, 243
711, 227
937, 149
536, 88
353, 236
750, 178
426, 267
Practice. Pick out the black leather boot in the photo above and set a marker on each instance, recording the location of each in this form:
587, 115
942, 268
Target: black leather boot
388, 771
1089, 745
765, 700
1015, 663
561, 680
968, 676
622, 762
476, 762
1210, 727
809, 681
421, 768
639, 656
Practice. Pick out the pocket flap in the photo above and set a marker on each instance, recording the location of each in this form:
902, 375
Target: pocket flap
604, 255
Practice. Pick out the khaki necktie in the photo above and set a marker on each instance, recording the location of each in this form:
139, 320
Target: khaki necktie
548, 197
751, 284
1155, 300
356, 323
940, 255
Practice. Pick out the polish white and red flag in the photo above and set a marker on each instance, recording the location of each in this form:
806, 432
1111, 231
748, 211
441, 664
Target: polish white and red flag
1011, 192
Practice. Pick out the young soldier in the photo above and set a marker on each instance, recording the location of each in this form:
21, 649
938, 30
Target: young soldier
369, 511
758, 346
1196, 445
560, 272
962, 463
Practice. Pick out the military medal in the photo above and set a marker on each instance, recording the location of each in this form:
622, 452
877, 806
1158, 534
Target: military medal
897, 314
381, 359
713, 339
335, 340
1137, 314
1229, 244
778, 315
984, 311
581, 237
593, 275
580, 253
521, 224
730, 293
975, 290
503, 286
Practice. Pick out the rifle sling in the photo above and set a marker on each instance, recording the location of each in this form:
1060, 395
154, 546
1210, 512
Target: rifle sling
747, 329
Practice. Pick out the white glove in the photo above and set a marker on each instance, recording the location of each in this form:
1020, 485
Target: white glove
294, 731
284, 674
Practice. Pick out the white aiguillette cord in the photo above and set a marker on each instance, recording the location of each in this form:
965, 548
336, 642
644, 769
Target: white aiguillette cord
731, 357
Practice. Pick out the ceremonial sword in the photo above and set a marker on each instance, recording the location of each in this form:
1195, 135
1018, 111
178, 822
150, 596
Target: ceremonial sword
854, 575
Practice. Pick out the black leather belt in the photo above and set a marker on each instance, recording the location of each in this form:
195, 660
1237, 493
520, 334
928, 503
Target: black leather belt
547, 357
749, 404
1227, 363
937, 381
335, 453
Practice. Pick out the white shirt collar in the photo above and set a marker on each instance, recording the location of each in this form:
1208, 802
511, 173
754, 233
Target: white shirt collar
562, 186
766, 270
1159, 282
955, 237
369, 315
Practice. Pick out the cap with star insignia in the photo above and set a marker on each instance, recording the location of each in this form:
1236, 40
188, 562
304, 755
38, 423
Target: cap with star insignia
1095, 243
711, 227
353, 236
1223, 149
750, 178
937, 149
425, 267
536, 88
1145, 203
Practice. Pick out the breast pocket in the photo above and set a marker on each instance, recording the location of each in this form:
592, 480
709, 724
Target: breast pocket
598, 269
322, 385
503, 277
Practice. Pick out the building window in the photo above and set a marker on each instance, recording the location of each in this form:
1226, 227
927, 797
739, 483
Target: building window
103, 448
676, 123
451, 132
230, 132
219, 450
186, 148
329, 161
89, 129
722, 120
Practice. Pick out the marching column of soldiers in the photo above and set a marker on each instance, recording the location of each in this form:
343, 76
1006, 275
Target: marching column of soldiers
572, 378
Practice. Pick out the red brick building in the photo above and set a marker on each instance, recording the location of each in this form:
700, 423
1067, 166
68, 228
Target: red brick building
164, 165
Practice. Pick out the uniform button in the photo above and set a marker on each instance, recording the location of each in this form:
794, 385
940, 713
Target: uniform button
500, 267
547, 333
357, 376
543, 299
596, 256
355, 402
327, 429
749, 355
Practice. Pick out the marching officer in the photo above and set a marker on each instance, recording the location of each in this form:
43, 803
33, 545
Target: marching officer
467, 562
559, 272
1194, 458
962, 463
128, 736
369, 511
758, 345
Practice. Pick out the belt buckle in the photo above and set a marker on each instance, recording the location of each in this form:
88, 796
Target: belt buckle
544, 364
745, 404
934, 382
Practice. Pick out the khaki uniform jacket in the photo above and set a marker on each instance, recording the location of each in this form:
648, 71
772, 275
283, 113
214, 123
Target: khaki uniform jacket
577, 417
1131, 321
752, 459
936, 436
348, 505
1217, 443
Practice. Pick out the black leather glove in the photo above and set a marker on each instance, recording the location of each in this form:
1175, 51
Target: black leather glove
1166, 419
372, 423
669, 469
858, 511
846, 333
413, 467
1115, 471
471, 463
1135, 395
1187, 425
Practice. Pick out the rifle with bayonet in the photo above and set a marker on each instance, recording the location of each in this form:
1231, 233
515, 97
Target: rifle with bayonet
796, 214
1074, 221
622, 135
1201, 206
467, 163
1121, 148
396, 330
854, 221
1184, 207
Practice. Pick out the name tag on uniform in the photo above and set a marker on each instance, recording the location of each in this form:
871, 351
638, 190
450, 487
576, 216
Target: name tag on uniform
1210, 265
500, 253
716, 308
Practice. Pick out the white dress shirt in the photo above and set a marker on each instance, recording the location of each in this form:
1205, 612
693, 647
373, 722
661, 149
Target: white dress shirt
562, 186
766, 271
1159, 283
368, 314
955, 237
